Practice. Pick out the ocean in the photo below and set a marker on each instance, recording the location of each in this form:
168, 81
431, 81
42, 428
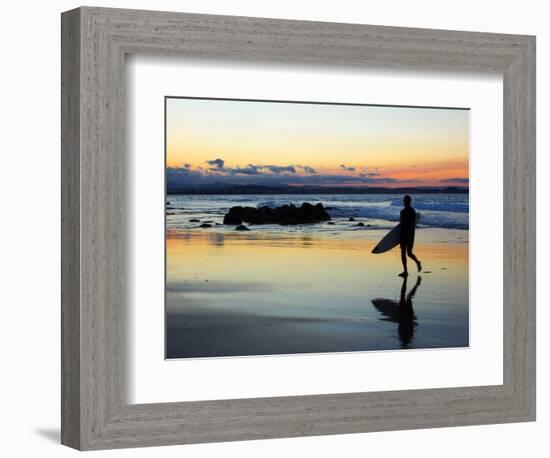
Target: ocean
381, 211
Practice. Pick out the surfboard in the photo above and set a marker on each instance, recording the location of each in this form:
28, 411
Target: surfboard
391, 239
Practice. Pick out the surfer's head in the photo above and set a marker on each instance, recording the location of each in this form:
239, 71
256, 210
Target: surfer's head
407, 201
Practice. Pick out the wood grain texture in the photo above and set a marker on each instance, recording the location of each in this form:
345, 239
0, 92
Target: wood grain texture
96, 414
70, 229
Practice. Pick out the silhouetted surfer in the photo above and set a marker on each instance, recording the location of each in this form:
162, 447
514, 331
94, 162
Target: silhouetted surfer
406, 235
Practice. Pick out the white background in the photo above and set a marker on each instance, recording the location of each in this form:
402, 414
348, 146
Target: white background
29, 189
155, 380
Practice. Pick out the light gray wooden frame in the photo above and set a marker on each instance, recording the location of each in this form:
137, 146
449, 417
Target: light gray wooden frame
95, 41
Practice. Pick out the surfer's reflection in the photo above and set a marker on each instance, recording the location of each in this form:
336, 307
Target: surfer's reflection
401, 312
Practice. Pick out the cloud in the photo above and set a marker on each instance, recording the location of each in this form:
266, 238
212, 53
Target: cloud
254, 174
251, 169
329, 179
306, 169
278, 169
176, 176
218, 167
347, 169
218, 163
456, 180
271, 175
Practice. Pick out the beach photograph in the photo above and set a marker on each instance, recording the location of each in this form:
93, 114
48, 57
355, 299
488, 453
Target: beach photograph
299, 227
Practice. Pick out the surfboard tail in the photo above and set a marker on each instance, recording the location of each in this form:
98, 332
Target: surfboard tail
390, 241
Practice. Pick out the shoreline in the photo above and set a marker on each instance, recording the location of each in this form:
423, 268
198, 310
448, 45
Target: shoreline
371, 235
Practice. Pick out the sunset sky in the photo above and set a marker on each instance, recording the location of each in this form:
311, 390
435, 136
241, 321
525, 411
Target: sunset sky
266, 143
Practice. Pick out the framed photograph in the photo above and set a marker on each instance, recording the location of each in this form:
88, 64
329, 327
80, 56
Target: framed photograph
267, 223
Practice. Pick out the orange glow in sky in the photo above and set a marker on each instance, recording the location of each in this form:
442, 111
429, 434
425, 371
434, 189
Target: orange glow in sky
251, 142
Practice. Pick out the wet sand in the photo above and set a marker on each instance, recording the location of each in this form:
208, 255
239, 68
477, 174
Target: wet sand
239, 294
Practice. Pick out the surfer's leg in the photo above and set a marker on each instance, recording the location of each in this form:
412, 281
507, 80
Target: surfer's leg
411, 255
403, 260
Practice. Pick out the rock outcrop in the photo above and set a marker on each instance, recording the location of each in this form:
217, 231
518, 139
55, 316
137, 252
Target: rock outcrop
284, 215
